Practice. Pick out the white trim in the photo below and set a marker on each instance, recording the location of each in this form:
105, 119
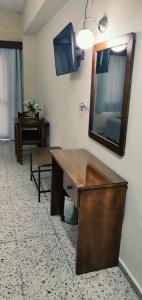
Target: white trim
131, 276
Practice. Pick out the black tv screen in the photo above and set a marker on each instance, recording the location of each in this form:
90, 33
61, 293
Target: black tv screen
65, 51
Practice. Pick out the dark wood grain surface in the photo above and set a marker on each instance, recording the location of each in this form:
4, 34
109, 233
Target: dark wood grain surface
99, 195
42, 155
85, 170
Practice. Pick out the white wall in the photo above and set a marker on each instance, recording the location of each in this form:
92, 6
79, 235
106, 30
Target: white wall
30, 10
60, 97
10, 26
29, 67
36, 13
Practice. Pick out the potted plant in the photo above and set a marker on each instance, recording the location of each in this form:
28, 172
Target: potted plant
32, 107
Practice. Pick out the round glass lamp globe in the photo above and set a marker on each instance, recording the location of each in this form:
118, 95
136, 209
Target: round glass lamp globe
85, 39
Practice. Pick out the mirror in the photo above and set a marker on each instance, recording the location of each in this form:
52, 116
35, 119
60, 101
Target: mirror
110, 91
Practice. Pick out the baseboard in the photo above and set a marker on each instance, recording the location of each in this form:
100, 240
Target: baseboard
131, 279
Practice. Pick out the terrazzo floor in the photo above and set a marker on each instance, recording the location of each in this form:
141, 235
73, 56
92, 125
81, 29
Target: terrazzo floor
37, 251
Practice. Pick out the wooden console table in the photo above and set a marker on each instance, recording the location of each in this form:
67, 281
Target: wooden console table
99, 194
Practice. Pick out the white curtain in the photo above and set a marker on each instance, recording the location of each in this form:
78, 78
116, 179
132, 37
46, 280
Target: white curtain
110, 86
10, 90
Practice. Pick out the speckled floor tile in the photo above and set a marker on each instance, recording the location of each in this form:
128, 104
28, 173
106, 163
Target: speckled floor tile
7, 233
50, 281
46, 201
31, 222
46, 273
47, 252
67, 235
60, 289
9, 263
7, 229
4, 198
18, 191
105, 284
11, 288
5, 213
22, 201
52, 287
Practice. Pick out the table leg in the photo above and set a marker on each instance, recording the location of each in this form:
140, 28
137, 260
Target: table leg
15, 139
57, 191
31, 169
38, 184
18, 149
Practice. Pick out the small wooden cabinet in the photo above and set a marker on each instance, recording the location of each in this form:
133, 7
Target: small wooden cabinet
99, 194
22, 139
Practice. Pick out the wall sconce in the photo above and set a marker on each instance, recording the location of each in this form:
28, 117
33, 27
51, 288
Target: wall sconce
85, 37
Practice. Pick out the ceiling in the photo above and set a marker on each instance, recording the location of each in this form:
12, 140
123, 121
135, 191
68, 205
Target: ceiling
47, 10
12, 5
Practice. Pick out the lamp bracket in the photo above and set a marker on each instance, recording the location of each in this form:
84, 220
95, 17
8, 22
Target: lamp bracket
79, 55
102, 24
92, 19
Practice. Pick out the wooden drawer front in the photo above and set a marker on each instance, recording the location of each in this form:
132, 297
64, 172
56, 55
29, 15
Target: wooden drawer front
70, 189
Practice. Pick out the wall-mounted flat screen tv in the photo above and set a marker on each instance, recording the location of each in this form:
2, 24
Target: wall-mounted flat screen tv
65, 51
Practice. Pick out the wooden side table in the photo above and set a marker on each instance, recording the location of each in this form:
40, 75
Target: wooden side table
45, 142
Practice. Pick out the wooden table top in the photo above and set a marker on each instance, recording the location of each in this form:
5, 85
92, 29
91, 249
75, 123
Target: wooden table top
17, 121
42, 155
85, 170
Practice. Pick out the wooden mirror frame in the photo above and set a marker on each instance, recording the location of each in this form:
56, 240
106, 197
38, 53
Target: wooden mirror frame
128, 39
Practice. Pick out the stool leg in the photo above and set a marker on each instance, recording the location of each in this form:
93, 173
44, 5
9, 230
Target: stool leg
38, 184
31, 169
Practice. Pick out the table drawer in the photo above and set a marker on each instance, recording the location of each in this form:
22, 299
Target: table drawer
70, 189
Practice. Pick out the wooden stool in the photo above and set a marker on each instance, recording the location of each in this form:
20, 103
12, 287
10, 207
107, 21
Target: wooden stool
43, 158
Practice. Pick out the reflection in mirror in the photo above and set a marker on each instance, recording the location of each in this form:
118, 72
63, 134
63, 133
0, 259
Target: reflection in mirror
110, 74
109, 94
